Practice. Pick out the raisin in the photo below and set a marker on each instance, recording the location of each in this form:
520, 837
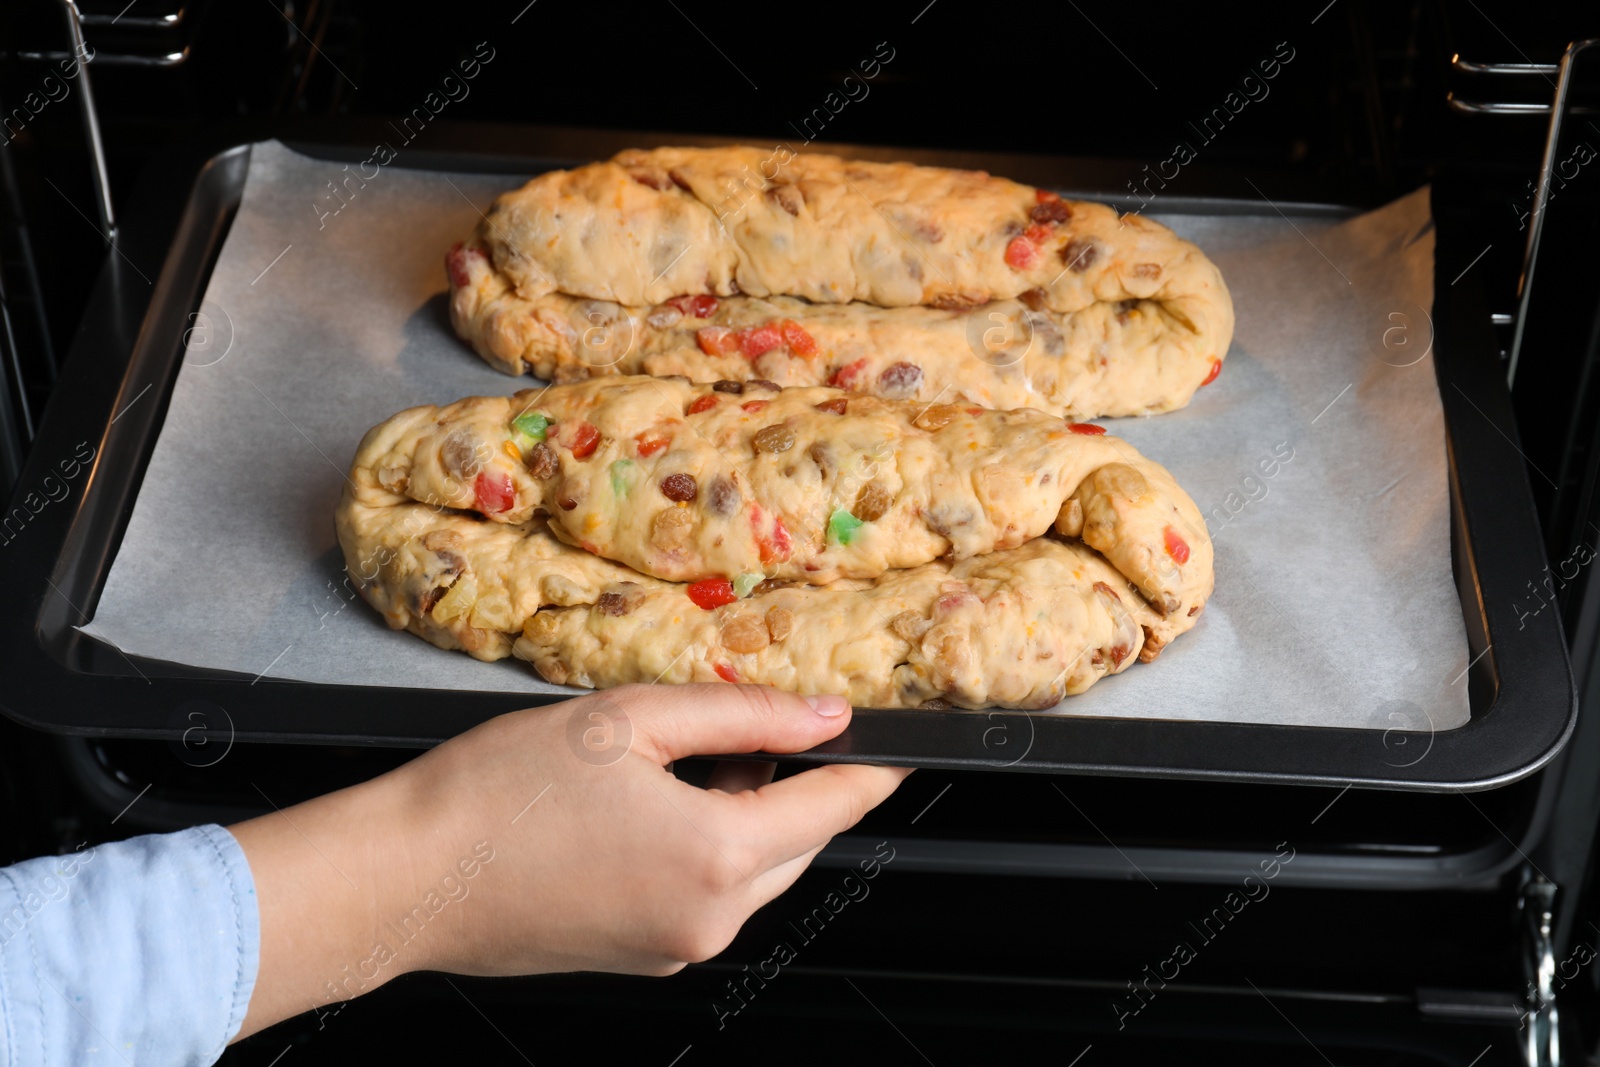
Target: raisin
822, 456
542, 461
779, 622
1034, 299
937, 417
763, 384
663, 317
775, 438
767, 585
949, 655
909, 626
567, 503
949, 519
653, 179
612, 603
725, 497
1051, 211
959, 301
871, 502
725, 386
441, 540
1122, 480
786, 197
935, 704
838, 405
459, 454
900, 381
745, 633
671, 527
1078, 254
679, 487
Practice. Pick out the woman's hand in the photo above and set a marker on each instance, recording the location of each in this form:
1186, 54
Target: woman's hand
552, 839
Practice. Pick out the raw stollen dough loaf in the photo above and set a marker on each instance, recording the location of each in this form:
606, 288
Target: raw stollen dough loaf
687, 482
646, 226
1019, 628
1110, 359
1108, 314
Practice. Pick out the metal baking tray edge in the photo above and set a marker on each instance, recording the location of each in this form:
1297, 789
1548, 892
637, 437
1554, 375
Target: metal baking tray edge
1522, 698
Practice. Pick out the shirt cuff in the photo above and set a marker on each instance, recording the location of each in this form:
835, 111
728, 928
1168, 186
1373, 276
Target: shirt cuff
147, 948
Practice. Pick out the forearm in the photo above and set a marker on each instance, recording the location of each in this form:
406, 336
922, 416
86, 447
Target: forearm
327, 874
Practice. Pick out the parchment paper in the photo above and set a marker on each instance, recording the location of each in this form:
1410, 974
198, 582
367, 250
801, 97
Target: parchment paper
1334, 602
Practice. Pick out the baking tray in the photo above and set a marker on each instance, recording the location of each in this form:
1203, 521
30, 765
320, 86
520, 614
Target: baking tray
1522, 700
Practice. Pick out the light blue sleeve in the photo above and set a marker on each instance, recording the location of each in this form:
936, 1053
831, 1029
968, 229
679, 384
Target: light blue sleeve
140, 952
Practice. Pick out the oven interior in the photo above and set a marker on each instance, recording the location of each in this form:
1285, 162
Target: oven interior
1020, 910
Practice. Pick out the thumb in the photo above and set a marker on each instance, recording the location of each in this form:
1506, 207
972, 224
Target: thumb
675, 721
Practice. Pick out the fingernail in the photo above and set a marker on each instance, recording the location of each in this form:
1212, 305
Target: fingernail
829, 706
